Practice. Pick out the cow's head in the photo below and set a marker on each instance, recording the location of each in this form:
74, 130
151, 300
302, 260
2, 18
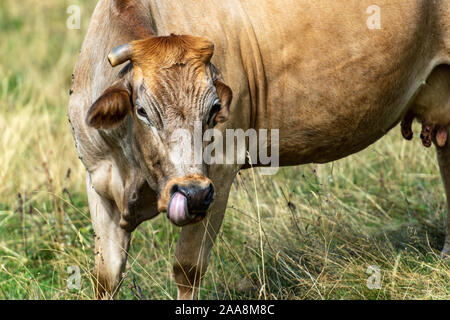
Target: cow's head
168, 85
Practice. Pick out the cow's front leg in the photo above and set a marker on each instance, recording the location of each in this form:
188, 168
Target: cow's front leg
111, 244
443, 154
194, 248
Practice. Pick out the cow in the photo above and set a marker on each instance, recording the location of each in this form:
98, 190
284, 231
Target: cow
322, 73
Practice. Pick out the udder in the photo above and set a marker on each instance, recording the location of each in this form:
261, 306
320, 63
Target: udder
432, 109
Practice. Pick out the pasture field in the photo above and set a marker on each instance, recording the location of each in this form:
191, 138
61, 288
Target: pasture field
310, 232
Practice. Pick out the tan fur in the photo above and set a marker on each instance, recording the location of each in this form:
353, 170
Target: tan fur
433, 103
110, 109
166, 51
129, 14
226, 96
312, 69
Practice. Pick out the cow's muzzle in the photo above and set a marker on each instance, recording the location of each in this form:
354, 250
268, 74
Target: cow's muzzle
189, 200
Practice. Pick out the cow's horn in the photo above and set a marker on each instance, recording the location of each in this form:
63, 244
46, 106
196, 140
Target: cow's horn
120, 54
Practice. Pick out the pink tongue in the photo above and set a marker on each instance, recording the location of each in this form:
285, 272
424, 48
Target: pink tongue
177, 209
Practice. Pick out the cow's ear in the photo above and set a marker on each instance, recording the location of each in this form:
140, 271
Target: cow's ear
225, 96
111, 108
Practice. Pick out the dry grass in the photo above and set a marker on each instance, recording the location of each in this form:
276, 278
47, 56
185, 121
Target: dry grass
312, 234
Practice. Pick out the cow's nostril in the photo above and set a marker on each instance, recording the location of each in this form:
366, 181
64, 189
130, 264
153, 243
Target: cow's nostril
198, 198
174, 189
210, 195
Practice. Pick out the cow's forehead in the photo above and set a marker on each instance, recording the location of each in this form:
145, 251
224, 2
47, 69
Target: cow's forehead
175, 97
165, 52
172, 68
178, 80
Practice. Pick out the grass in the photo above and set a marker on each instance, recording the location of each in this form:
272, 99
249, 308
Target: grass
312, 235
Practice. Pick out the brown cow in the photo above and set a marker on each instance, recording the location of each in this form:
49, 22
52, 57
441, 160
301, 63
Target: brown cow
316, 70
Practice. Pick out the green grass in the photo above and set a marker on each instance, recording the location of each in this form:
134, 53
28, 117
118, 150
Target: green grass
322, 225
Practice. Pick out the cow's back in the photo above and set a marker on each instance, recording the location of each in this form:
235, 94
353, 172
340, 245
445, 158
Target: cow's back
313, 69
317, 70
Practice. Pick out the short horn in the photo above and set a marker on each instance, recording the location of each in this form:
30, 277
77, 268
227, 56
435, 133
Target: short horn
120, 54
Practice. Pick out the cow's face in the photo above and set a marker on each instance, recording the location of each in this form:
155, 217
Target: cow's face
169, 85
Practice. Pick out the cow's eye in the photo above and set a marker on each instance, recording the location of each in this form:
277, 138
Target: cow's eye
142, 112
142, 115
213, 111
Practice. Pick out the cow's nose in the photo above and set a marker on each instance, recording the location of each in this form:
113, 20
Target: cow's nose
189, 197
198, 198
